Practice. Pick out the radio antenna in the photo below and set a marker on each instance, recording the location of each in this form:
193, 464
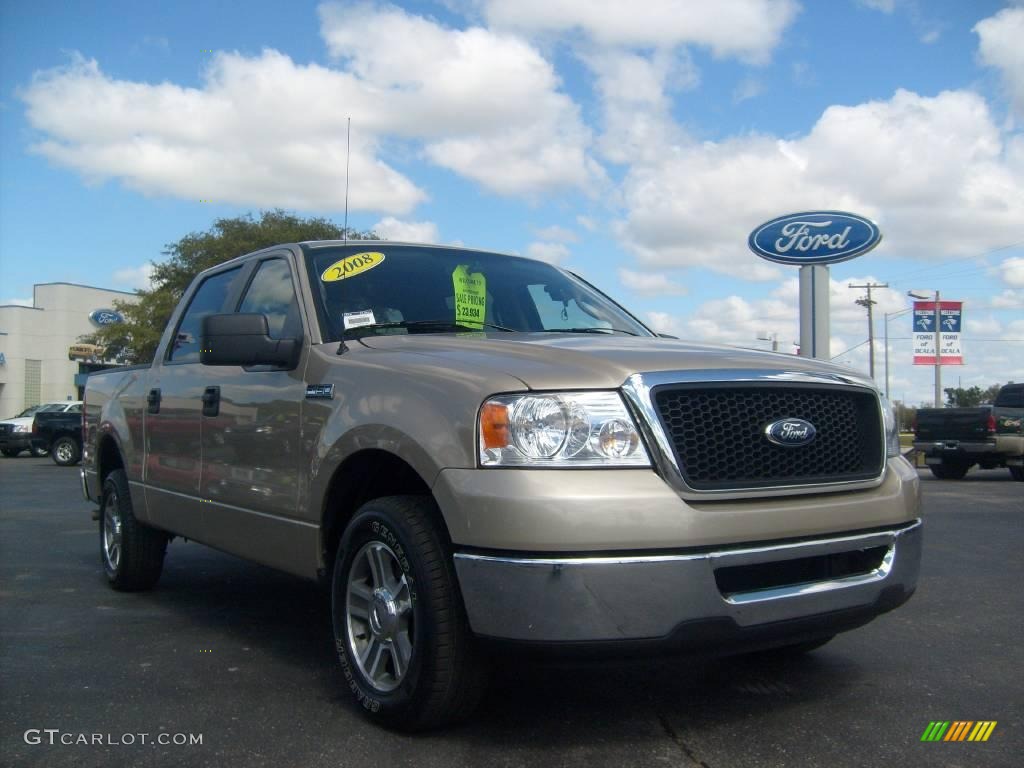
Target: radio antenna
342, 346
348, 156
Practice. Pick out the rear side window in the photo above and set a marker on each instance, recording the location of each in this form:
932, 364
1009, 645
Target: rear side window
76, 408
208, 300
271, 294
1011, 397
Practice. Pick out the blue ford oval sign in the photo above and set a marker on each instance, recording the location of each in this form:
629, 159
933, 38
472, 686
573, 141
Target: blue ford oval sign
790, 432
814, 237
103, 317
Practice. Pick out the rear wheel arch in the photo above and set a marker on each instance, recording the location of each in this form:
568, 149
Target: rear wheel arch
366, 475
108, 457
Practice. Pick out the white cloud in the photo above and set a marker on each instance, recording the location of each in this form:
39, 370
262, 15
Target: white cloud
932, 170
650, 283
135, 277
885, 6
749, 29
1008, 299
263, 130
748, 88
1013, 271
488, 103
1000, 46
391, 228
17, 302
557, 233
553, 253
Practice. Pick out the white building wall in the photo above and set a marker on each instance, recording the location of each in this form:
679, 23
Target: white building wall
59, 317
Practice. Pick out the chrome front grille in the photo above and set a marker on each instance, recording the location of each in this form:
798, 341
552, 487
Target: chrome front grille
716, 432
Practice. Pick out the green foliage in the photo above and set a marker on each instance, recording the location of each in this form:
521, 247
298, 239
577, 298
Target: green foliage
958, 397
136, 340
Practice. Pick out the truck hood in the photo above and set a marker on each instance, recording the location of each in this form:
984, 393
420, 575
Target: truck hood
591, 361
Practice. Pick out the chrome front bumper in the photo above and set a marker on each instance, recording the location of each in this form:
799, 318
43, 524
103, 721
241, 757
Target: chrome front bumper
585, 599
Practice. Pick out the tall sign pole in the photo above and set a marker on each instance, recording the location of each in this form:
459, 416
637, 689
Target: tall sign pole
812, 240
938, 352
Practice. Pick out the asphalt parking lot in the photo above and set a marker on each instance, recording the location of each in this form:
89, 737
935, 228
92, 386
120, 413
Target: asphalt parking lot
242, 656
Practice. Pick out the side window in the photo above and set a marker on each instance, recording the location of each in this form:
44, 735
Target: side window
271, 293
208, 300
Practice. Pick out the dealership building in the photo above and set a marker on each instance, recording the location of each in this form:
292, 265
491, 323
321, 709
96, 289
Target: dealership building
35, 341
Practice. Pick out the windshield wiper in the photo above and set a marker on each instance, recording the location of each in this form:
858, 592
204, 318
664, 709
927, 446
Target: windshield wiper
604, 331
438, 324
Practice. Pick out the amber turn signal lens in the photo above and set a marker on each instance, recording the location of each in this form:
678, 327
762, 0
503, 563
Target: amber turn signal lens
494, 425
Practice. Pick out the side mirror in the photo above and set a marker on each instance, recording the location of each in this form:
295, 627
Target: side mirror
243, 339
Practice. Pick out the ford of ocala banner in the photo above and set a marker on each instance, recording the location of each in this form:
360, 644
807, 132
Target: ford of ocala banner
950, 323
814, 237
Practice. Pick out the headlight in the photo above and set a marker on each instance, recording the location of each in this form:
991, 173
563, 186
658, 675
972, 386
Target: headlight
563, 429
22, 428
892, 428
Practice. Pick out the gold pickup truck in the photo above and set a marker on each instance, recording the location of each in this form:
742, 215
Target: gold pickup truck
479, 450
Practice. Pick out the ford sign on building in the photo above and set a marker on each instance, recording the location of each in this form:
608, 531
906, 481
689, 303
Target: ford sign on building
102, 317
814, 237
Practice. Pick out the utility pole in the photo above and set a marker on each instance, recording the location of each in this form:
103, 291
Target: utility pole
867, 302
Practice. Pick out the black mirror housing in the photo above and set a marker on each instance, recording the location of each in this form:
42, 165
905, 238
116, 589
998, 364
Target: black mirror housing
243, 339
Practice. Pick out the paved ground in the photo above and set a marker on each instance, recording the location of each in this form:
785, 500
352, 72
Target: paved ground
242, 655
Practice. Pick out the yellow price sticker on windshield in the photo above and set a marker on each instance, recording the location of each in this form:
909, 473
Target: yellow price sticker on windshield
351, 266
470, 297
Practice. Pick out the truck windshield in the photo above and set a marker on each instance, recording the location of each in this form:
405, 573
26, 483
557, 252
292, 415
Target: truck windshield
367, 288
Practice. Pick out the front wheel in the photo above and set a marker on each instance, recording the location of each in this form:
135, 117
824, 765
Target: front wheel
39, 451
10, 453
400, 627
132, 553
65, 452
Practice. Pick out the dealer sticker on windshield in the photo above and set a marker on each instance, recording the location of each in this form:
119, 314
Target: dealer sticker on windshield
351, 266
358, 319
470, 297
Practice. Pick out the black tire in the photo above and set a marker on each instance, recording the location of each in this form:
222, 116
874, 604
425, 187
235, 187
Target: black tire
1017, 473
444, 672
140, 549
65, 451
39, 451
10, 453
949, 471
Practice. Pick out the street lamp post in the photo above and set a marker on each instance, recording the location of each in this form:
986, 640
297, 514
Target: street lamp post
887, 316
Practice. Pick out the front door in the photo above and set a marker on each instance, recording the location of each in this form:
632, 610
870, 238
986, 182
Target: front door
252, 440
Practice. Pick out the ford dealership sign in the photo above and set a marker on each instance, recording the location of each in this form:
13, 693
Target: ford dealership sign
814, 237
101, 317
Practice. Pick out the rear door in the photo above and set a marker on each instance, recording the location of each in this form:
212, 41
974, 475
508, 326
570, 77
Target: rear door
172, 418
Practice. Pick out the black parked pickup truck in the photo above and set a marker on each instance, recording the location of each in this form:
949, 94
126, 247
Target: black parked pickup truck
59, 434
955, 439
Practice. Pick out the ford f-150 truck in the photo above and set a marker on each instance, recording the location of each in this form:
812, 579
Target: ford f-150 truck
955, 439
477, 450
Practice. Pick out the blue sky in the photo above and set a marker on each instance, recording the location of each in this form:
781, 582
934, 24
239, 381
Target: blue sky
636, 143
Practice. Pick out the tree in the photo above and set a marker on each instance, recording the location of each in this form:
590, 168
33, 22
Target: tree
136, 339
969, 398
958, 397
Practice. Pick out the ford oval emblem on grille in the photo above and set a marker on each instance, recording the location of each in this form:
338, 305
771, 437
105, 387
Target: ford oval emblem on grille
790, 432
